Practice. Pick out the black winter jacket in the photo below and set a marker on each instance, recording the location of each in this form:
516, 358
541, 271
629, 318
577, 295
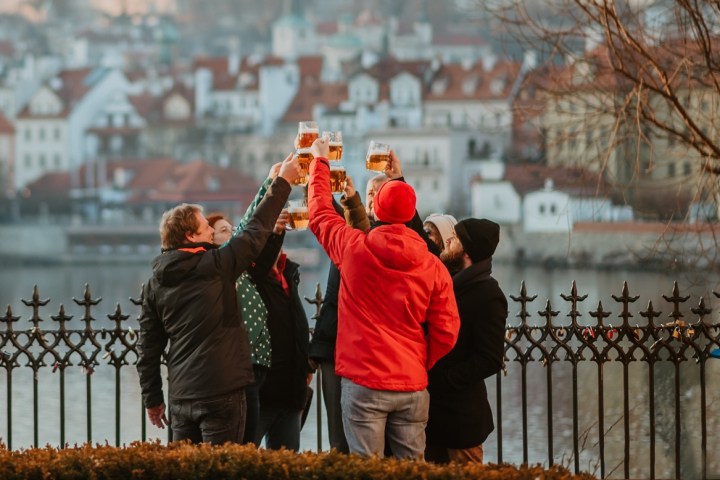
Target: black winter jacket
191, 302
460, 415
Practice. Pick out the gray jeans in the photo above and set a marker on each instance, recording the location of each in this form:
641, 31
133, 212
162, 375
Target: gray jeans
368, 415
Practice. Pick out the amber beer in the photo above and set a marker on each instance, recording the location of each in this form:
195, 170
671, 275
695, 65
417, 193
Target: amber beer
299, 217
335, 144
308, 132
304, 158
378, 156
335, 153
338, 179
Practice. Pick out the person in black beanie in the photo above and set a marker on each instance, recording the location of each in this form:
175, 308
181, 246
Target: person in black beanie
460, 418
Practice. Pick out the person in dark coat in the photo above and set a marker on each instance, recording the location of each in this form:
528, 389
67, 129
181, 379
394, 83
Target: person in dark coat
283, 395
190, 302
460, 418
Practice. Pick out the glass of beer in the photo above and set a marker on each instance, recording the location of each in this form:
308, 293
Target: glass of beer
378, 156
335, 143
299, 217
338, 179
304, 158
307, 133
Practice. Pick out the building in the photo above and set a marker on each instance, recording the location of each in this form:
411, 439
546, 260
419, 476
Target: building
52, 129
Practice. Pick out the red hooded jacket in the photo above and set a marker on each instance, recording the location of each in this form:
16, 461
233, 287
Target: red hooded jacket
390, 285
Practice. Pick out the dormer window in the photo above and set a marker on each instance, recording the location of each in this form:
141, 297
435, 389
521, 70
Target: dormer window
497, 86
439, 86
469, 85
246, 80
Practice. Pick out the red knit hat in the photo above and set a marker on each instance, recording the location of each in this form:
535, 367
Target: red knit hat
394, 202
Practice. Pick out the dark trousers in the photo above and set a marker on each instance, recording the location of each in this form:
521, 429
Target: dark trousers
213, 420
280, 427
252, 397
331, 397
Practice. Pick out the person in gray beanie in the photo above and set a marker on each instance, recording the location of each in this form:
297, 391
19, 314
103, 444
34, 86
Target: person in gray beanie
460, 418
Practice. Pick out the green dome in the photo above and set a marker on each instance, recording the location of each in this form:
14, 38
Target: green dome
293, 21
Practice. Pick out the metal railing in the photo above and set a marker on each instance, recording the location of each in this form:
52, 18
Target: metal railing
542, 350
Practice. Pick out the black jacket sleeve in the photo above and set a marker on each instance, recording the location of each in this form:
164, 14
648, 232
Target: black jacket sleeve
244, 248
266, 260
151, 345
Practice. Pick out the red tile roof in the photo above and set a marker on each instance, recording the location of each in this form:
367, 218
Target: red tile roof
326, 28
223, 79
389, 67
7, 48
313, 93
72, 86
161, 180
528, 178
458, 40
455, 79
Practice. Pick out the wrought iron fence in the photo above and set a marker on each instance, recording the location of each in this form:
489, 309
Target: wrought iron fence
535, 343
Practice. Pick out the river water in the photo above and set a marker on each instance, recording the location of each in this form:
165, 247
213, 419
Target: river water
115, 284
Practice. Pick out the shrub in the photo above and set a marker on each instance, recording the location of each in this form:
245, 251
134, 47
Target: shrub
182, 461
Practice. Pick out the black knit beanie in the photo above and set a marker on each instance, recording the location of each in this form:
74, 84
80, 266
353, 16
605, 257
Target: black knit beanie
479, 237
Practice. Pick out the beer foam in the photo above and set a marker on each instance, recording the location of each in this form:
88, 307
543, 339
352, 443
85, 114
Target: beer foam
309, 130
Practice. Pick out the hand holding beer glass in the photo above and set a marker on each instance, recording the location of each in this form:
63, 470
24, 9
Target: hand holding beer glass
299, 217
335, 143
378, 156
304, 157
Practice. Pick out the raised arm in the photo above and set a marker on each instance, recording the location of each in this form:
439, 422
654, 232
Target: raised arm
330, 229
274, 171
237, 255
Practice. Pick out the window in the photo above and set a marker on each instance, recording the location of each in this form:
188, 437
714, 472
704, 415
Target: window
553, 209
28, 133
436, 185
58, 135
671, 170
41, 133
41, 160
28, 160
57, 160
542, 209
687, 168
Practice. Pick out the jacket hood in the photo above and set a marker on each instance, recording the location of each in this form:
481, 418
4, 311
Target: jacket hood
172, 266
396, 246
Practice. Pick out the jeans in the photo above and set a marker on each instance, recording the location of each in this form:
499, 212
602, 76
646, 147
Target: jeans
280, 427
214, 420
252, 396
331, 396
369, 415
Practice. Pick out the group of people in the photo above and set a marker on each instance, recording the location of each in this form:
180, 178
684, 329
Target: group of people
412, 322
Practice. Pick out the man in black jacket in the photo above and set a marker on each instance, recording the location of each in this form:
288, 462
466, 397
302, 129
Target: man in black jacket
190, 301
460, 418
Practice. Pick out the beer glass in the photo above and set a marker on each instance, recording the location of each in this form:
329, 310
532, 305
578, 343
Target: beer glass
299, 217
335, 143
307, 133
338, 179
378, 156
304, 158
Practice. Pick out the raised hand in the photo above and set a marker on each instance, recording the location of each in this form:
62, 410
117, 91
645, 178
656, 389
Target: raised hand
393, 169
275, 169
320, 147
349, 187
290, 169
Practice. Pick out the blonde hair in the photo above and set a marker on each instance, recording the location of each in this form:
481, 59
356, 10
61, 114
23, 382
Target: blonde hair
177, 222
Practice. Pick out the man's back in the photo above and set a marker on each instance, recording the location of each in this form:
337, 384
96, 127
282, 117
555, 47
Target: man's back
389, 280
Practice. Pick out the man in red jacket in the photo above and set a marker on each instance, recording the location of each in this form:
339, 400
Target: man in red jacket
392, 292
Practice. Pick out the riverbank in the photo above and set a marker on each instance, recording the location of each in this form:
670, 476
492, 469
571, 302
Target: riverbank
605, 246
